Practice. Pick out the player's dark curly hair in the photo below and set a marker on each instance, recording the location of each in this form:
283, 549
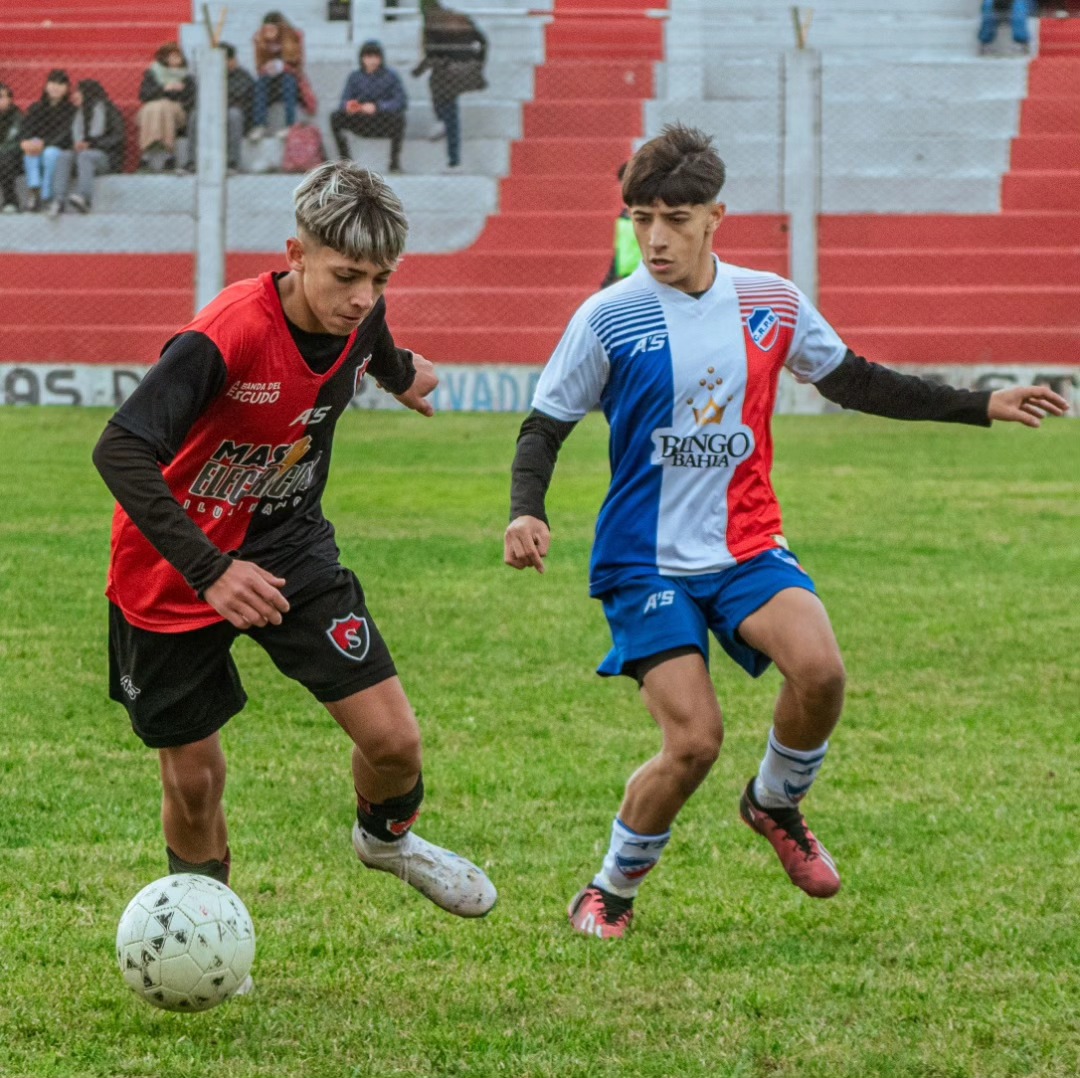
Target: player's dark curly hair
678, 167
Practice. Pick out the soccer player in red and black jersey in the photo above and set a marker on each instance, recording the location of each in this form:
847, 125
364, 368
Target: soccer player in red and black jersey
218, 461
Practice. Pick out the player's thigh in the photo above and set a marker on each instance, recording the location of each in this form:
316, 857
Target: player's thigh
178, 688
680, 696
381, 723
794, 630
328, 640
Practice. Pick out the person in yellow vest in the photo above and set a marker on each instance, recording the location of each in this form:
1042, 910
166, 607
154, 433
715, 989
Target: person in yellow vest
627, 255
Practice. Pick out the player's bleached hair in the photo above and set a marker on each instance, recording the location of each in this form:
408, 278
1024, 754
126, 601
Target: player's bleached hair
678, 167
353, 211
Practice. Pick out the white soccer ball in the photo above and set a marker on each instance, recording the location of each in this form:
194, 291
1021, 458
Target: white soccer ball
185, 943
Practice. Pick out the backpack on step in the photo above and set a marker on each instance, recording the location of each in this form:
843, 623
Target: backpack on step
303, 148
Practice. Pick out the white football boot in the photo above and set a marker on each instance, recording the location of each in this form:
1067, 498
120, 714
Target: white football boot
450, 881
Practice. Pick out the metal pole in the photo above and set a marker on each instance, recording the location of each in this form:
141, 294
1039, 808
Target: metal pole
802, 164
210, 175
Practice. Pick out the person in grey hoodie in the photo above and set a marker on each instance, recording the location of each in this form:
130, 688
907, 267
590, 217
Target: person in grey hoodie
98, 141
373, 105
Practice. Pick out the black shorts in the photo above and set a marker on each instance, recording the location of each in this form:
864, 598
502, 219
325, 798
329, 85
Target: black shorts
180, 687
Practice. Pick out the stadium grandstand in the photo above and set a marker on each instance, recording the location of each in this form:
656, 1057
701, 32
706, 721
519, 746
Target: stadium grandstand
946, 194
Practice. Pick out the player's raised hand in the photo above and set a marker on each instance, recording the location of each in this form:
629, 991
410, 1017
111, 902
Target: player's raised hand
247, 596
1026, 404
526, 542
415, 397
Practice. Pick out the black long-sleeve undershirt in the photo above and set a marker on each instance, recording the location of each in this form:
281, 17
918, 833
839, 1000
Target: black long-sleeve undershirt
856, 384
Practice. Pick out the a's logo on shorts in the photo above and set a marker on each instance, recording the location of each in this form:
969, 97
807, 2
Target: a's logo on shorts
789, 558
129, 687
350, 636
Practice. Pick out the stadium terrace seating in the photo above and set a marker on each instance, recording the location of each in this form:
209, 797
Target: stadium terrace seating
974, 258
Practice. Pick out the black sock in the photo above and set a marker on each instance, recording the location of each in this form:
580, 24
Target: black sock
391, 819
216, 870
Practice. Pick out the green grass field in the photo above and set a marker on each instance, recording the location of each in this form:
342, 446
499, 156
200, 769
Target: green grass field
948, 559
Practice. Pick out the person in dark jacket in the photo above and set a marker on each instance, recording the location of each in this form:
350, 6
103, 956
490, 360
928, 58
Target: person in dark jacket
240, 98
11, 155
46, 135
454, 52
98, 139
372, 105
168, 96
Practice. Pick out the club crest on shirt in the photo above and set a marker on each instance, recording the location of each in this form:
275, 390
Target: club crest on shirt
764, 326
350, 636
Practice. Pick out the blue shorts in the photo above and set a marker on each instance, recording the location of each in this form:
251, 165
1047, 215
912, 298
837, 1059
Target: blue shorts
658, 613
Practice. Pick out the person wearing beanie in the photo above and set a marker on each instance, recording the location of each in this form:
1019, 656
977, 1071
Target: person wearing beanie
373, 105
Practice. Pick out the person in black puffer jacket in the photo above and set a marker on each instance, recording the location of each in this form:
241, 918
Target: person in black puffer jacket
46, 134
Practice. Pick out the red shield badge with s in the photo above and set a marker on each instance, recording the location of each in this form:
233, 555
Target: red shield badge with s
350, 636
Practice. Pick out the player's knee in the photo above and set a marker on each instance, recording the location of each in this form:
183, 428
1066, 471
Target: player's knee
194, 792
397, 755
821, 684
695, 755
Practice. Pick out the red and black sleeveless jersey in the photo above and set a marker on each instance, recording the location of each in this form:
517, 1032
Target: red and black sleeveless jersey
243, 427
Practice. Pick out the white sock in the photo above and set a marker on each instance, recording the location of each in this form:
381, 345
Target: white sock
630, 858
786, 774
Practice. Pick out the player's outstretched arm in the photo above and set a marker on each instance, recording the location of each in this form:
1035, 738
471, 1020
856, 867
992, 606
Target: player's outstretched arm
416, 396
526, 542
1026, 404
246, 595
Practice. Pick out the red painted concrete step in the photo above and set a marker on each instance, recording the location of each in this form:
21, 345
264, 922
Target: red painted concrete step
600, 118
1049, 190
70, 272
936, 231
1039, 153
964, 344
480, 344
1057, 305
562, 156
125, 343
1050, 115
100, 306
492, 307
989, 266
608, 79
582, 193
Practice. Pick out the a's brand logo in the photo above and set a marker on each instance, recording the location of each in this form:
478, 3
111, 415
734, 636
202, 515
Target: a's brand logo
652, 343
129, 687
350, 636
764, 326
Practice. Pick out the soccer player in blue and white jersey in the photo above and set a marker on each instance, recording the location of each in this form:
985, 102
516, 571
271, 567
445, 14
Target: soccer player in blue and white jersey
684, 357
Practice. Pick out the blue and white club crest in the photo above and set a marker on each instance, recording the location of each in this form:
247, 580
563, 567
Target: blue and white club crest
764, 326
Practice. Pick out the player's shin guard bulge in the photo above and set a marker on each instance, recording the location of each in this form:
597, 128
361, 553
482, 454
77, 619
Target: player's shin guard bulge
451, 882
596, 912
805, 860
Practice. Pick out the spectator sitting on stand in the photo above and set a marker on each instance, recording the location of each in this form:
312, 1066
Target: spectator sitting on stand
168, 96
454, 51
240, 95
372, 105
98, 138
11, 154
46, 134
988, 27
279, 62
